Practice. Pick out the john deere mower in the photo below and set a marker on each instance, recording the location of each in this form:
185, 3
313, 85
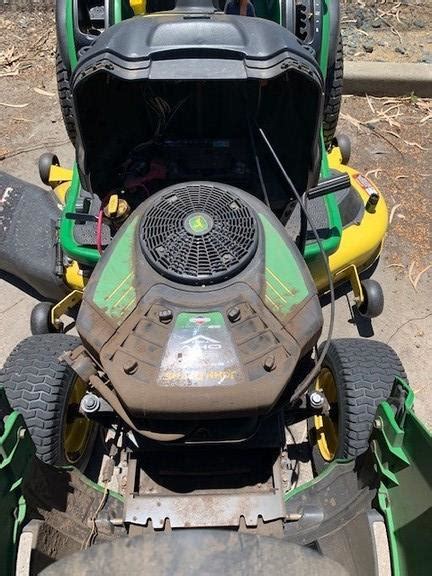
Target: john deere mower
209, 208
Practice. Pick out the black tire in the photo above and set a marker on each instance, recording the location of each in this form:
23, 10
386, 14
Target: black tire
364, 372
40, 319
39, 386
46, 160
65, 97
344, 143
373, 304
333, 96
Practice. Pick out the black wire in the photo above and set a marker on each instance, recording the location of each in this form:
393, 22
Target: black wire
258, 163
305, 383
303, 229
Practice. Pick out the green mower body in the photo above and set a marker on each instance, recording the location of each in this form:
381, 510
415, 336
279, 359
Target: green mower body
209, 208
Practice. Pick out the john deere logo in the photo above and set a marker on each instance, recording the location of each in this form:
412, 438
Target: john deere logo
198, 223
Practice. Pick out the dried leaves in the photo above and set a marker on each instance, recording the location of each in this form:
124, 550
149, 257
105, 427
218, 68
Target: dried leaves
23, 52
388, 116
400, 121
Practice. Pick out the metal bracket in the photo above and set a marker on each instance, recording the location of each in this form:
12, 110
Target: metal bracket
68, 302
352, 273
204, 509
58, 175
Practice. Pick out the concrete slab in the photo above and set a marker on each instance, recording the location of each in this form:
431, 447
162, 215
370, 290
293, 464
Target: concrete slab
388, 78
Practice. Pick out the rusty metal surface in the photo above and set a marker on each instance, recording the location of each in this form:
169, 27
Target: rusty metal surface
205, 510
208, 487
208, 509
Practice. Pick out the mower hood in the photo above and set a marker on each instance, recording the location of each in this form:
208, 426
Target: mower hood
216, 73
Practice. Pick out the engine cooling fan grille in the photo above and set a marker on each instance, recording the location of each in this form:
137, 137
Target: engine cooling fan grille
199, 233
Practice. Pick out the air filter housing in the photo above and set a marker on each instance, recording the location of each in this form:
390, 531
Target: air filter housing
199, 233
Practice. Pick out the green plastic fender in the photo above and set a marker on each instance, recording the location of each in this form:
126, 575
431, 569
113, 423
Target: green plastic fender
402, 447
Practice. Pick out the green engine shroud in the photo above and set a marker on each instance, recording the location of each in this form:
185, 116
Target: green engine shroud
172, 350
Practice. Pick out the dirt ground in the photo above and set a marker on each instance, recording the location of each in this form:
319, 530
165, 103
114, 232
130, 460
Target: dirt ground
387, 30
391, 142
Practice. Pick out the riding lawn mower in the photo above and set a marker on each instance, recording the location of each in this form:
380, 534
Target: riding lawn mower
209, 214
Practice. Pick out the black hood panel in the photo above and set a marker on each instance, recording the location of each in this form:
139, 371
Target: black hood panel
217, 73
234, 47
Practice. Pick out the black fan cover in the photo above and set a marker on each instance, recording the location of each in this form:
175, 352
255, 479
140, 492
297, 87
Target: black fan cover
199, 233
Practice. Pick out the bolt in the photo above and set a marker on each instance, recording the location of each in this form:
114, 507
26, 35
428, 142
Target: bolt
316, 400
130, 367
90, 403
293, 516
165, 316
22, 433
377, 423
269, 363
234, 314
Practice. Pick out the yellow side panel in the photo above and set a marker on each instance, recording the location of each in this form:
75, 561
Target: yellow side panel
360, 243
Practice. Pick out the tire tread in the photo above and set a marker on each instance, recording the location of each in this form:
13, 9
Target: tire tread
333, 96
35, 382
65, 97
368, 372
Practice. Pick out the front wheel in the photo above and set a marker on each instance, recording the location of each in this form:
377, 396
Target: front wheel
47, 393
356, 376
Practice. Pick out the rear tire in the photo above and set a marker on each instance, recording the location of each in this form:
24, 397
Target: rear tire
65, 97
43, 389
363, 372
333, 96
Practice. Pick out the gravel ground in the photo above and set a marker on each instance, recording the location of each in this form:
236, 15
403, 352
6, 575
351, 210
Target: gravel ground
387, 30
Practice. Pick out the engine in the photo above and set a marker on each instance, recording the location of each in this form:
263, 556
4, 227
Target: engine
201, 307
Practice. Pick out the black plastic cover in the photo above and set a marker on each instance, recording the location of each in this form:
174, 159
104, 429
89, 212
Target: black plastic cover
172, 47
218, 73
29, 216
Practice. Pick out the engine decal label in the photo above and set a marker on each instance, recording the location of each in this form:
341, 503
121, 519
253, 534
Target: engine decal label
200, 352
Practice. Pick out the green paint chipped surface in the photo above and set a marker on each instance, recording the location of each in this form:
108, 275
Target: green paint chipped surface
115, 291
285, 285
